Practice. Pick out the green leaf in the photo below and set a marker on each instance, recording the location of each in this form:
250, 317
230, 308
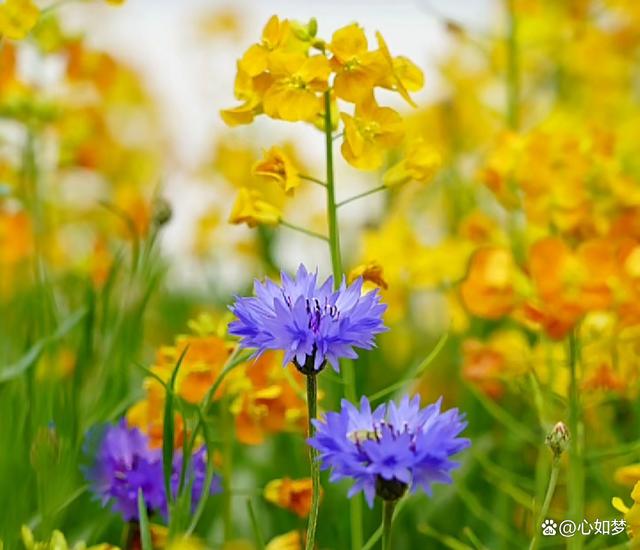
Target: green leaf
145, 533
28, 359
168, 435
414, 373
255, 526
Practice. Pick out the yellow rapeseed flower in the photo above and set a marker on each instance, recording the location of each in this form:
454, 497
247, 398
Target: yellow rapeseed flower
277, 165
274, 35
631, 515
421, 163
370, 134
289, 541
250, 91
357, 69
401, 74
252, 208
297, 81
17, 18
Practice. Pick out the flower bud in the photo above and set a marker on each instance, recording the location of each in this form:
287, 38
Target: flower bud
558, 439
161, 211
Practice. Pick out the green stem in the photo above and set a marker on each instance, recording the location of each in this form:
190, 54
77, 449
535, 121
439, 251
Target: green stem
576, 459
302, 230
227, 473
312, 400
387, 520
332, 214
346, 367
312, 179
361, 195
544, 510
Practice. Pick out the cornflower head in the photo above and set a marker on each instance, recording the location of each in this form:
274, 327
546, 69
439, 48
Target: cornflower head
390, 449
125, 464
312, 324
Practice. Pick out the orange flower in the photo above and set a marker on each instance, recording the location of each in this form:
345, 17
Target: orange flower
147, 415
266, 401
16, 242
489, 364
290, 494
488, 290
201, 365
202, 362
569, 284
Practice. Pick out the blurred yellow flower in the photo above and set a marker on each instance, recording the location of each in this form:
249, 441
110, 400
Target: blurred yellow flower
57, 541
252, 208
291, 494
372, 274
277, 165
421, 163
17, 18
631, 515
289, 541
297, 81
627, 475
185, 543
357, 69
369, 134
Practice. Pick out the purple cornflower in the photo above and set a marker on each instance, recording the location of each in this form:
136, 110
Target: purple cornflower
312, 324
124, 464
196, 475
390, 449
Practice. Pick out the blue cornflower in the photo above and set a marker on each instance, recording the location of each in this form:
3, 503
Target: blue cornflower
125, 464
312, 324
390, 449
196, 474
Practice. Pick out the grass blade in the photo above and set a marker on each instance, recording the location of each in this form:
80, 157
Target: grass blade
168, 434
145, 533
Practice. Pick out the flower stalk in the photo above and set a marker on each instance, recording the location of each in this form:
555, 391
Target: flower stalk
576, 458
348, 375
557, 441
312, 405
332, 212
388, 507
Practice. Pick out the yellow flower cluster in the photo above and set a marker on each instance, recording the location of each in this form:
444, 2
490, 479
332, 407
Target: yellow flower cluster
294, 75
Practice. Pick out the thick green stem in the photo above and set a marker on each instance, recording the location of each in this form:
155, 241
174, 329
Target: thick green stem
332, 214
312, 400
544, 510
576, 459
387, 519
346, 367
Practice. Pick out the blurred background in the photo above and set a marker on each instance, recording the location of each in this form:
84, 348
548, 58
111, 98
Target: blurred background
185, 52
